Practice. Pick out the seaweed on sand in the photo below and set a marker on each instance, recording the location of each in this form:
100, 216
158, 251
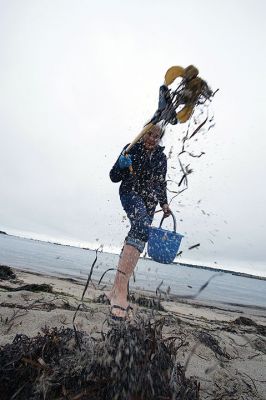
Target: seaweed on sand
6, 273
248, 322
131, 361
33, 287
208, 340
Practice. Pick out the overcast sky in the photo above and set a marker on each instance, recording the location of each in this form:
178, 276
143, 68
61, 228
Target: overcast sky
78, 79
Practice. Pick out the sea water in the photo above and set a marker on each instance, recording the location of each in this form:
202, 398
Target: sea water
66, 261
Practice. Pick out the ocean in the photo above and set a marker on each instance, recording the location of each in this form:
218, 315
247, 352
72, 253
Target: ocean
183, 281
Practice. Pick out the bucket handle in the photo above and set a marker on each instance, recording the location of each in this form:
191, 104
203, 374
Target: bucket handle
174, 220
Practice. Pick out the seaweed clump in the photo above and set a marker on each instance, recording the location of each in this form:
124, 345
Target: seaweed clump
6, 272
131, 361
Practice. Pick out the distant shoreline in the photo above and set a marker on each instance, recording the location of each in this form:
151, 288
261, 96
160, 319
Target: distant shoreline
243, 274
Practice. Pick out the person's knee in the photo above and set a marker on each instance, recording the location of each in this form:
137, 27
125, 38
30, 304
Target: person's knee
139, 234
135, 242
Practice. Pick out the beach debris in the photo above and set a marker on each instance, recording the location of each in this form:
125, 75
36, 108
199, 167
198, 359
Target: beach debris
145, 301
177, 105
198, 128
244, 321
186, 171
90, 273
9, 322
261, 329
203, 287
6, 273
130, 361
233, 385
141, 300
212, 343
158, 289
259, 344
81, 304
33, 287
105, 272
194, 246
196, 155
191, 92
102, 299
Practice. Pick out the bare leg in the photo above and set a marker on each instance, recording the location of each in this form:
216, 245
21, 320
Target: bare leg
126, 265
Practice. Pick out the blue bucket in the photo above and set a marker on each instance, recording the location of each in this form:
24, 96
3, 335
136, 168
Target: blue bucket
163, 245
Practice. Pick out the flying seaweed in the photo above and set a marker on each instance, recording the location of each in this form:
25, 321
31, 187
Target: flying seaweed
177, 105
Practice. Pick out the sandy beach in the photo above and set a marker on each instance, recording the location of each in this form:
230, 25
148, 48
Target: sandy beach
223, 347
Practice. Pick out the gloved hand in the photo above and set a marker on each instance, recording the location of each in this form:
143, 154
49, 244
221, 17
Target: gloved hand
124, 161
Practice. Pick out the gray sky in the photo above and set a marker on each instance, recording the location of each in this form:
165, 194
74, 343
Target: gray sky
78, 79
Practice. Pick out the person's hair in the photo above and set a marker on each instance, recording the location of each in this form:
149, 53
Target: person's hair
162, 127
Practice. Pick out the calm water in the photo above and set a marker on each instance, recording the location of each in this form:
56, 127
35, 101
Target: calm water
66, 261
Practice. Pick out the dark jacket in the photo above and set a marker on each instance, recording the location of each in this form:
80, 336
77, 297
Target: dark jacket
149, 178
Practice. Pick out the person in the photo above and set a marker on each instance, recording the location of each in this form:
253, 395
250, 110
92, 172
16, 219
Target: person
142, 174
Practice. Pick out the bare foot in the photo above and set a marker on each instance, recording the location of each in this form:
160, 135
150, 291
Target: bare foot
118, 300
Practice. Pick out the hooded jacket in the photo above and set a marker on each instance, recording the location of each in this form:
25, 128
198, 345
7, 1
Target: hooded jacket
149, 178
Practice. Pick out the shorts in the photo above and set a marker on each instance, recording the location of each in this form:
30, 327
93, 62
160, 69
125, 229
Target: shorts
140, 218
